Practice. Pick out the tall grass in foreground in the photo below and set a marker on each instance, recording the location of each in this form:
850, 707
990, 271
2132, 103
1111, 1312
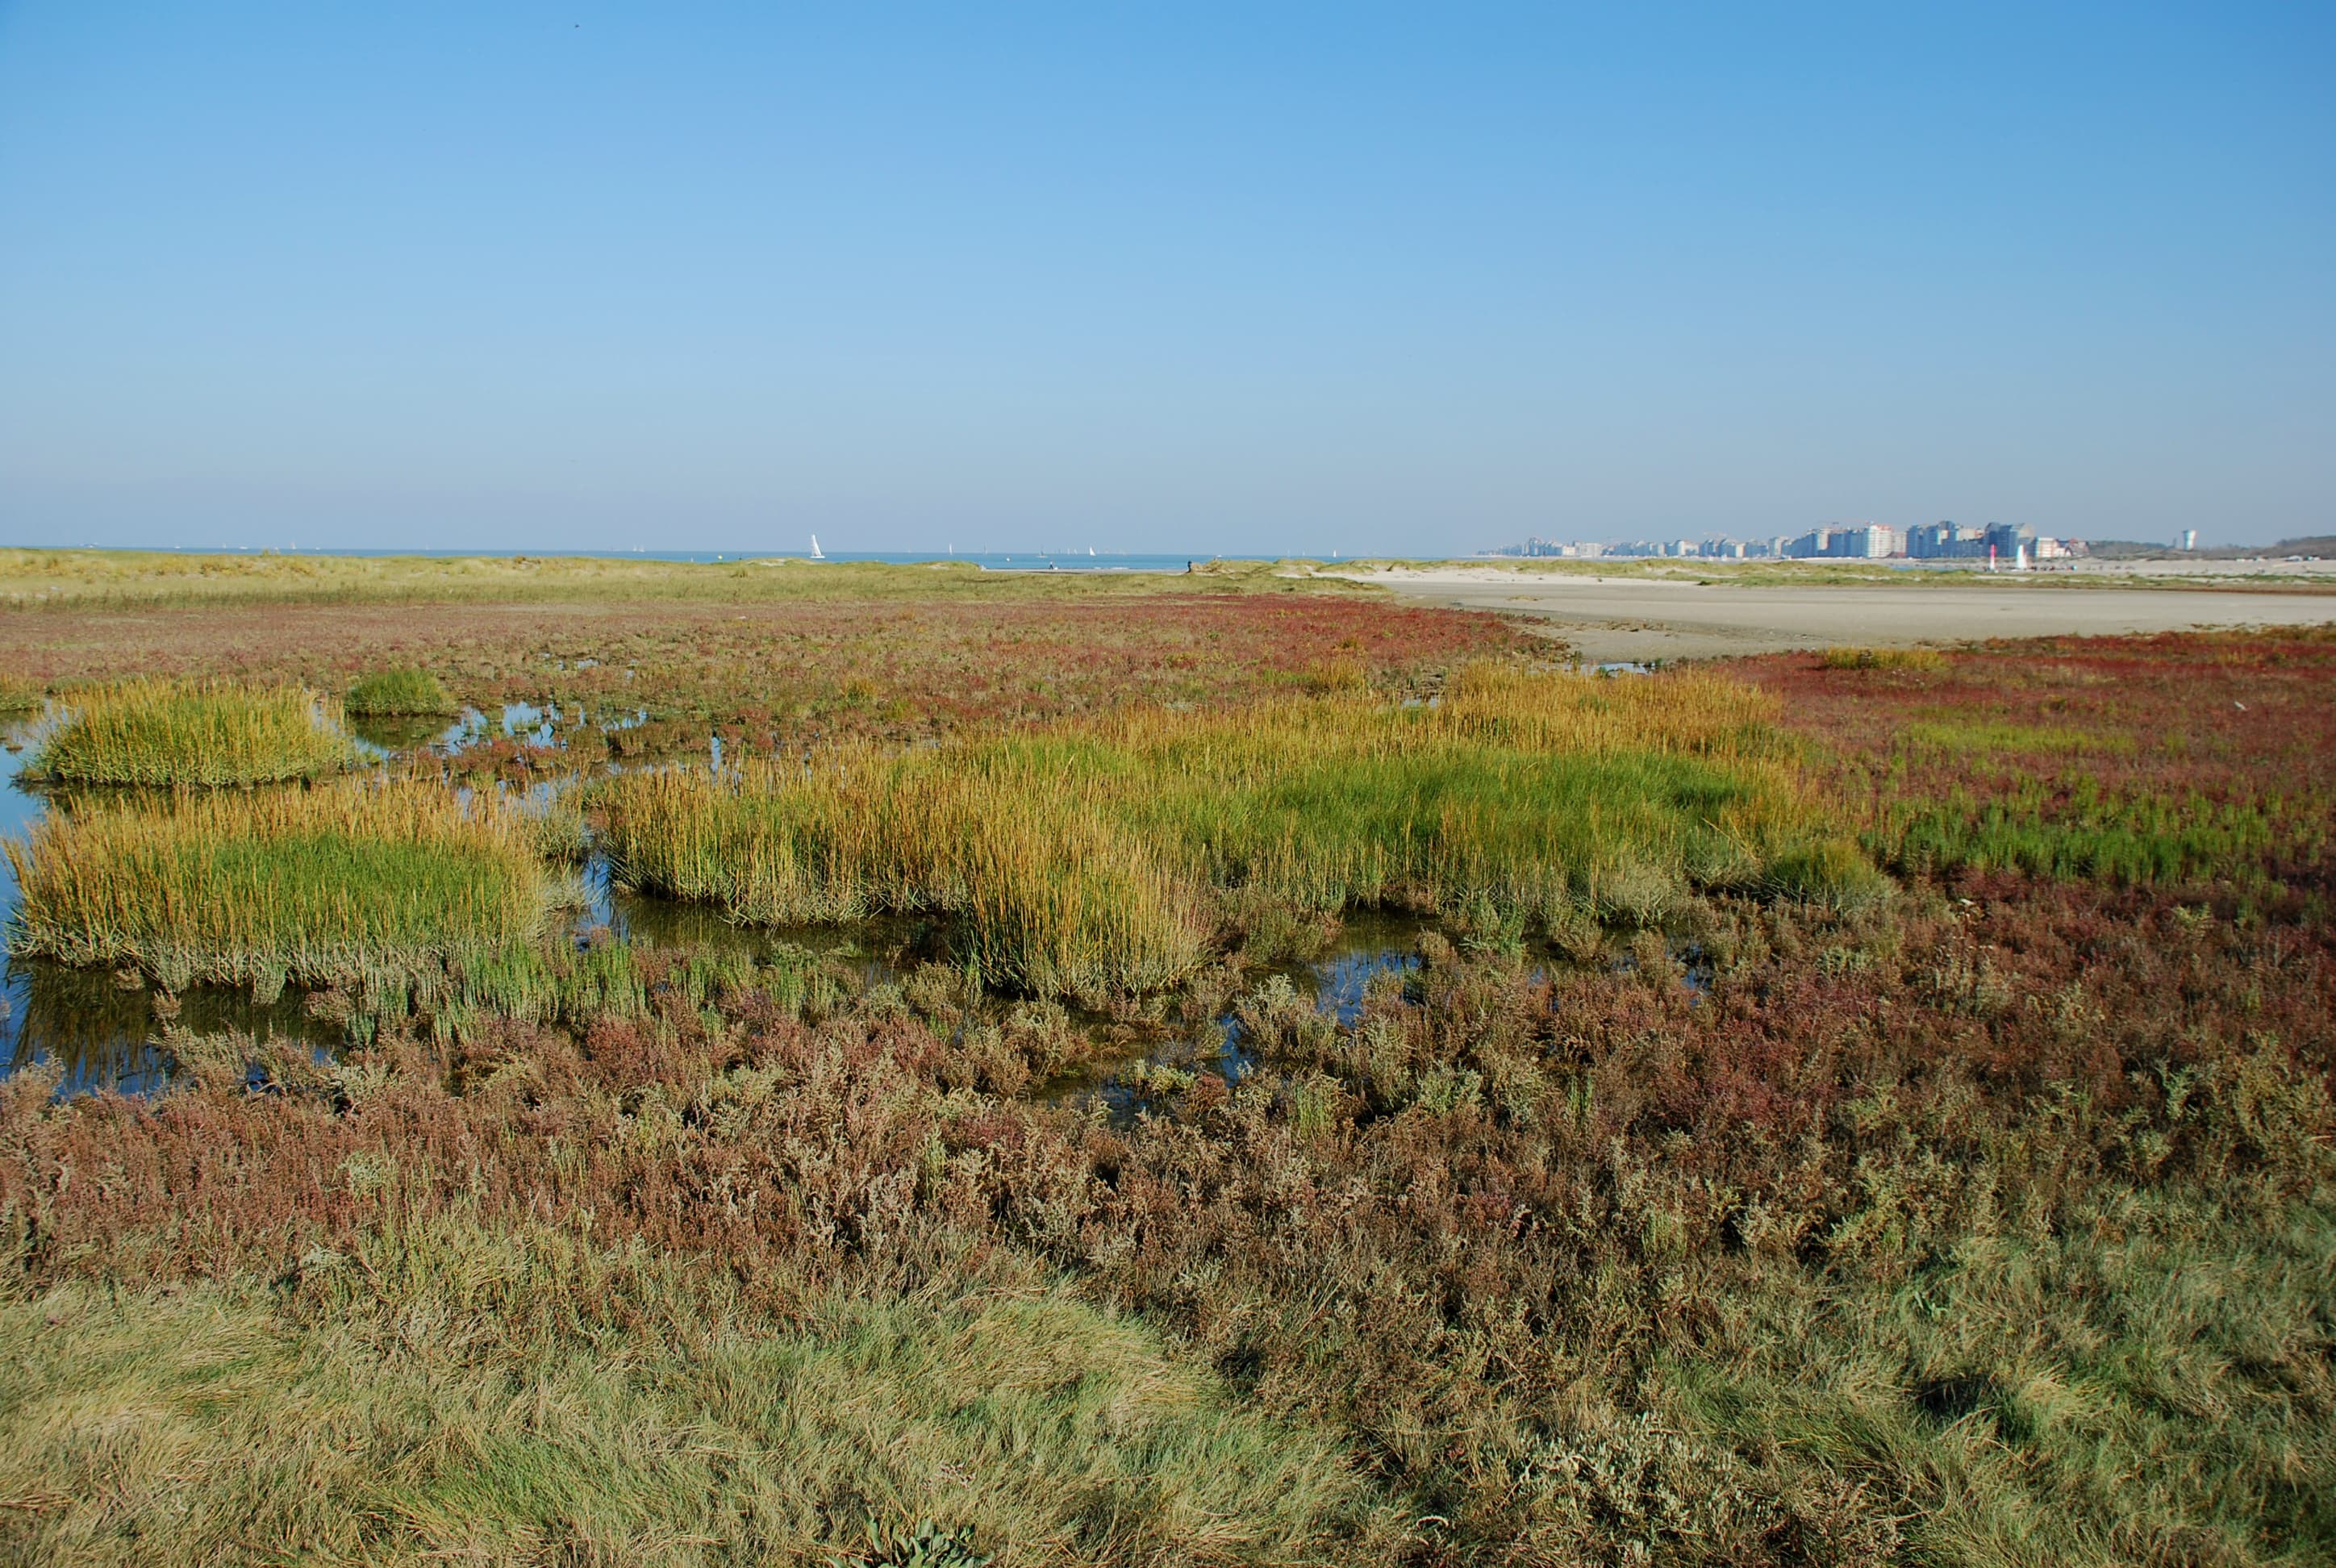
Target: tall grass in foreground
403, 689
163, 733
577, 1404
1097, 857
300, 885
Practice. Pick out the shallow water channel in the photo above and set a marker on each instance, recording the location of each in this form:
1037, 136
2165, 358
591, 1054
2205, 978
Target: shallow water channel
105, 1031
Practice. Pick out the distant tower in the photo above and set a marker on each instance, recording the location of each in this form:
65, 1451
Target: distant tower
2189, 538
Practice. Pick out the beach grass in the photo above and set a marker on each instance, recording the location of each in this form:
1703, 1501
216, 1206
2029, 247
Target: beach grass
399, 690
306, 884
1099, 857
217, 734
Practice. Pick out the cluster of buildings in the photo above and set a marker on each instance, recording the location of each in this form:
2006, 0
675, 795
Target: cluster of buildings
1998, 541
2003, 544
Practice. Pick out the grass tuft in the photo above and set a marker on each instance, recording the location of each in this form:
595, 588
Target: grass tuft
306, 884
404, 689
213, 734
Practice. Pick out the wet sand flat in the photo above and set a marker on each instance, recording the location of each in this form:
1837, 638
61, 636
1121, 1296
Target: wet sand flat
1619, 618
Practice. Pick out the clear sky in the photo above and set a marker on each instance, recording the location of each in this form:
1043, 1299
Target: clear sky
1242, 279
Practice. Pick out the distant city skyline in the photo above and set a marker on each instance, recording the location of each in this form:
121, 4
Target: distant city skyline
1305, 280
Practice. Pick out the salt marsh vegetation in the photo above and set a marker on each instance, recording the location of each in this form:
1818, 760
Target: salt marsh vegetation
1099, 857
1682, 1194
262, 887
216, 734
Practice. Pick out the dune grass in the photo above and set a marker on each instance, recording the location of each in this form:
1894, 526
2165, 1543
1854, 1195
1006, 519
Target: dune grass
1095, 858
400, 689
215, 734
449, 1390
303, 883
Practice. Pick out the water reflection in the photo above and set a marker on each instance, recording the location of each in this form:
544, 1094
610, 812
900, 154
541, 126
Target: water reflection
881, 950
547, 727
103, 1034
1370, 943
20, 808
389, 734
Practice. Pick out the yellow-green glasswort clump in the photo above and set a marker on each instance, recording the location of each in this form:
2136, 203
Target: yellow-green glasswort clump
404, 689
1914, 658
1095, 858
304, 884
208, 732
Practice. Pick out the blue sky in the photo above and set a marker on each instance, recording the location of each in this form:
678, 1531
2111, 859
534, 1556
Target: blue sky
1181, 278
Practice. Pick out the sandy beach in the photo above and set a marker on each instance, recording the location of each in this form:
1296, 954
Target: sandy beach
1635, 618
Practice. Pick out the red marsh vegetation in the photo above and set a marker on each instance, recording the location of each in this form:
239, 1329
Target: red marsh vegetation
782, 676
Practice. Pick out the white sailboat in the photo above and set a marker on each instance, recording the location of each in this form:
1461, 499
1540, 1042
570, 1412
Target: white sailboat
815, 555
